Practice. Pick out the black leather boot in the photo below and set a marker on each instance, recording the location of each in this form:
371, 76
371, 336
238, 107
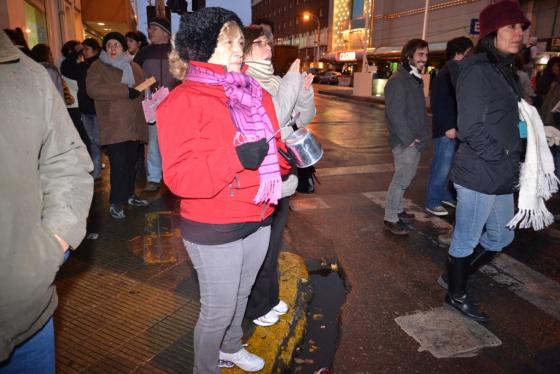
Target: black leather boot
458, 270
478, 259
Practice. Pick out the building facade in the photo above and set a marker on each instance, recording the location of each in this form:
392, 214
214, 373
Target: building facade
290, 27
48, 22
54, 22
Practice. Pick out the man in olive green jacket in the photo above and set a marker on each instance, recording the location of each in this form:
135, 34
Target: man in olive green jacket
45, 195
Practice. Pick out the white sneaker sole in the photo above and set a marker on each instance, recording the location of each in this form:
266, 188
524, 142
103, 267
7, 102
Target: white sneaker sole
435, 213
265, 323
280, 312
449, 204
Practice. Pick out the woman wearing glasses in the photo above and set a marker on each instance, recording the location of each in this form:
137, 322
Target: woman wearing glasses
293, 98
110, 83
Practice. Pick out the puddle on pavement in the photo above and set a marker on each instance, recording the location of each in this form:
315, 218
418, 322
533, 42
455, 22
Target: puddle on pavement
321, 338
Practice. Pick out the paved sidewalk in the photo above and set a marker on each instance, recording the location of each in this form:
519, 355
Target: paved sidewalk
119, 314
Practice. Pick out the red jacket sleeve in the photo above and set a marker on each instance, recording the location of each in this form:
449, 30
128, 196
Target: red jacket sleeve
196, 162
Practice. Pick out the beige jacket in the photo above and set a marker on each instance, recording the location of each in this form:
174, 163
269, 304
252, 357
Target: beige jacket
46, 189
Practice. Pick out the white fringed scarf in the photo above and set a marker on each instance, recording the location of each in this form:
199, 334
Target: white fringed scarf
537, 179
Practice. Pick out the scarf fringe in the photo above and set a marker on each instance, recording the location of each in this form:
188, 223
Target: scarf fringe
270, 190
529, 218
547, 184
537, 180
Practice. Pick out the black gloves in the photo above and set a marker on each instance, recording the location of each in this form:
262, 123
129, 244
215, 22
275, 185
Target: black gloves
252, 154
133, 93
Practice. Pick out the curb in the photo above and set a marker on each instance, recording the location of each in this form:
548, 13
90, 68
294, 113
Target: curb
366, 99
276, 344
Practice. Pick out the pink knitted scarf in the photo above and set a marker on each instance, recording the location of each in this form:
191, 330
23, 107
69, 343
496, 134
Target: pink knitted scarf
251, 120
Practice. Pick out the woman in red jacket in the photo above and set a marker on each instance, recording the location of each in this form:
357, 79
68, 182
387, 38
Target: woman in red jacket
213, 131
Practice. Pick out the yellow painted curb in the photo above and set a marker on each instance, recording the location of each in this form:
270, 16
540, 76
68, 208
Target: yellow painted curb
276, 344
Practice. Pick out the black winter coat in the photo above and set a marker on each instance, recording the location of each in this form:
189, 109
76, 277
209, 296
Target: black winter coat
488, 157
77, 71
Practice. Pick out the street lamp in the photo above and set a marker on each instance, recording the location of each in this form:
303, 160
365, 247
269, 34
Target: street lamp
310, 16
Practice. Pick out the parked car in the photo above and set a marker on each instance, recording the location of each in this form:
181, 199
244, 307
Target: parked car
329, 77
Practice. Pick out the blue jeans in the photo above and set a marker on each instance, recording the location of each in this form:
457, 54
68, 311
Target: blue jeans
91, 125
555, 150
35, 355
481, 218
153, 157
444, 152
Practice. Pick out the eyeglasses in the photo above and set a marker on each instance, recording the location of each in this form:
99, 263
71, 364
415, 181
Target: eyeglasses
263, 43
116, 45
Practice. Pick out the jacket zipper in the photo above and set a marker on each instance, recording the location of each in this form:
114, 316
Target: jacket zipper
232, 188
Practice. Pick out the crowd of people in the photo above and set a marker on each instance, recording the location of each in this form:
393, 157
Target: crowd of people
223, 124
489, 144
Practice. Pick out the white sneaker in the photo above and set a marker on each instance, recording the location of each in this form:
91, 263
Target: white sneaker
243, 359
438, 211
281, 308
268, 319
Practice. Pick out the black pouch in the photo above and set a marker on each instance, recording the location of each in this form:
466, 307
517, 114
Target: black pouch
306, 180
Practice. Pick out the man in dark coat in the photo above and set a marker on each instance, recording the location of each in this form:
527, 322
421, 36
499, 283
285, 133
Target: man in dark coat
405, 110
444, 129
153, 60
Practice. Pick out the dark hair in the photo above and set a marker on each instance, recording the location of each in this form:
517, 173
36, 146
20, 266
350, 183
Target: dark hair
486, 44
20, 37
69, 47
142, 39
555, 60
410, 48
252, 33
138, 36
265, 21
41, 53
92, 43
18, 40
12, 35
457, 45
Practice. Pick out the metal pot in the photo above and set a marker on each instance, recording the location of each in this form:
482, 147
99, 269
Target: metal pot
304, 147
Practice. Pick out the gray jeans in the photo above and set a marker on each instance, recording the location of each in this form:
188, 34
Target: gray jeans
226, 274
406, 163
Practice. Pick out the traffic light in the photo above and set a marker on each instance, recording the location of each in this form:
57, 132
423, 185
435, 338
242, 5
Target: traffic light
198, 4
177, 6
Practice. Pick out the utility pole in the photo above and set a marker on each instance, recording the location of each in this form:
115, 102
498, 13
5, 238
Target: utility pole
425, 27
555, 18
160, 8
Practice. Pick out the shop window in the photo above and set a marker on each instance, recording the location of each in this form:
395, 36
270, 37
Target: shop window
357, 8
35, 25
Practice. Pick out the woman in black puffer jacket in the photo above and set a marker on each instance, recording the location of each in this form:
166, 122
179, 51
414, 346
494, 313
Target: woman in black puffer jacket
486, 167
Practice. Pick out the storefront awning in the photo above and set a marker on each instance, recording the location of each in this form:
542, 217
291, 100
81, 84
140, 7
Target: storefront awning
105, 16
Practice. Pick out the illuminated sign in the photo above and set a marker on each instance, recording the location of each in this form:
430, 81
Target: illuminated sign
475, 27
346, 56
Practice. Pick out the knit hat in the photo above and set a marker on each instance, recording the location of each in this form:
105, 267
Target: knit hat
198, 32
500, 14
113, 35
162, 23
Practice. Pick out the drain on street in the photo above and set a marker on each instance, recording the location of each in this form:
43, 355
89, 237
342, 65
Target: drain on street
321, 339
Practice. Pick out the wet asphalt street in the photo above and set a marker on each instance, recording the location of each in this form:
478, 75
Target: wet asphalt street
389, 277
